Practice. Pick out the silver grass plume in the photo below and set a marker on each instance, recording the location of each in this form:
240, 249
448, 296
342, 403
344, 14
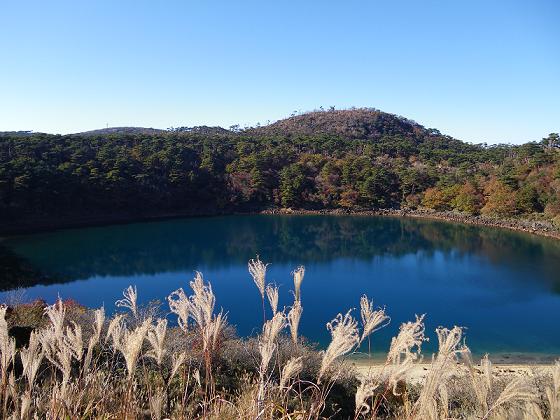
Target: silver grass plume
179, 304
404, 351
345, 336
372, 320
518, 389
61, 347
31, 358
450, 348
267, 346
56, 314
267, 342
99, 321
291, 369
365, 390
58, 352
200, 308
294, 317
411, 335
257, 269
156, 338
74, 340
298, 274
272, 294
177, 360
130, 298
131, 345
202, 301
211, 331
115, 330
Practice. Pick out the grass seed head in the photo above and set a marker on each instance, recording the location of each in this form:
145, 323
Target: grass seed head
257, 269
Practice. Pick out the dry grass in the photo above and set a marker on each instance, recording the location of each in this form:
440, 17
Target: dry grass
78, 364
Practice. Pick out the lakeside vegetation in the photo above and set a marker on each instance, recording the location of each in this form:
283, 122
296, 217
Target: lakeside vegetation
65, 361
352, 159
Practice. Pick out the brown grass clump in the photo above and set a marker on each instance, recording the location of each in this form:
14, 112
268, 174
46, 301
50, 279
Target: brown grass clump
76, 363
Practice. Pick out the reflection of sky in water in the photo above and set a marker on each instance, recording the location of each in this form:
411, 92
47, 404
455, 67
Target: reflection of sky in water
498, 284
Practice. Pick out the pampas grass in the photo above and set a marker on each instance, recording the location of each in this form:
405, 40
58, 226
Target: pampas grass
292, 368
294, 316
136, 366
257, 270
449, 350
372, 320
345, 336
130, 298
272, 294
298, 274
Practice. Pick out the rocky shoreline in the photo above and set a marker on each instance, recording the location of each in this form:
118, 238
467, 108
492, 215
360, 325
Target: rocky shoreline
541, 228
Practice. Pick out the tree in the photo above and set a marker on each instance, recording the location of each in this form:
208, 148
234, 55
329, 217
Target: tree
500, 199
440, 198
292, 179
527, 200
468, 200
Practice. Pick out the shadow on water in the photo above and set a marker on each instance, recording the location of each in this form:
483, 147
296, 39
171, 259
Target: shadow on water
179, 245
492, 281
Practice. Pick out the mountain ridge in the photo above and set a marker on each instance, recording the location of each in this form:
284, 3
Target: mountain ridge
353, 123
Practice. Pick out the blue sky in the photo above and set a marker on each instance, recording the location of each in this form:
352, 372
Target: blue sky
476, 70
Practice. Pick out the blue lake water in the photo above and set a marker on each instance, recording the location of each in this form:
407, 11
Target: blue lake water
503, 286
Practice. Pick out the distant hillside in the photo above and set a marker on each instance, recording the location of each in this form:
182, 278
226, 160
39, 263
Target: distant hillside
16, 133
360, 123
122, 130
356, 159
202, 129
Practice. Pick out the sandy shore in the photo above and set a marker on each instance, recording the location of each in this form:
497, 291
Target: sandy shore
420, 371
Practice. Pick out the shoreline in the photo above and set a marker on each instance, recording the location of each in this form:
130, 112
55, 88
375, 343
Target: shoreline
538, 228
418, 373
377, 360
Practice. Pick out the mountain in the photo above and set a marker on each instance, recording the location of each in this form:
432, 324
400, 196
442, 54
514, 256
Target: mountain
17, 133
122, 130
357, 123
202, 130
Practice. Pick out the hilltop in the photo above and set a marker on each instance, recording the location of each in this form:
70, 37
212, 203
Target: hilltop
121, 130
355, 123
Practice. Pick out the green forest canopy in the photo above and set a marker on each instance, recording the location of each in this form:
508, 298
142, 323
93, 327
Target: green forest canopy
352, 159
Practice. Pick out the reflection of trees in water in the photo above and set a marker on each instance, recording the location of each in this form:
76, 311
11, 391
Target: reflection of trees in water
15, 271
179, 245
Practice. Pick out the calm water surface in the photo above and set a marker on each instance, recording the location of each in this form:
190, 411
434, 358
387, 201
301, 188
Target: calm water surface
504, 287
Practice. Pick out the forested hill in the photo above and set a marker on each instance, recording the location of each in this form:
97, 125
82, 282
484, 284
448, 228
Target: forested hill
353, 159
365, 124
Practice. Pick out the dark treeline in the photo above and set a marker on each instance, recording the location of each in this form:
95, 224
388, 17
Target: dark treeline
353, 159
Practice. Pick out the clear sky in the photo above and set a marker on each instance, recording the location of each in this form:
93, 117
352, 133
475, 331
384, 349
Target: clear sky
480, 71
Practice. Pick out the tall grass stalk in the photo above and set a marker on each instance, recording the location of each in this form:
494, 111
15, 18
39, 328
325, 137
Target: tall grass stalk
257, 269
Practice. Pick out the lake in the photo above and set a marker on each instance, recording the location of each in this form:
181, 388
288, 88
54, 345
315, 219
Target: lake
503, 286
